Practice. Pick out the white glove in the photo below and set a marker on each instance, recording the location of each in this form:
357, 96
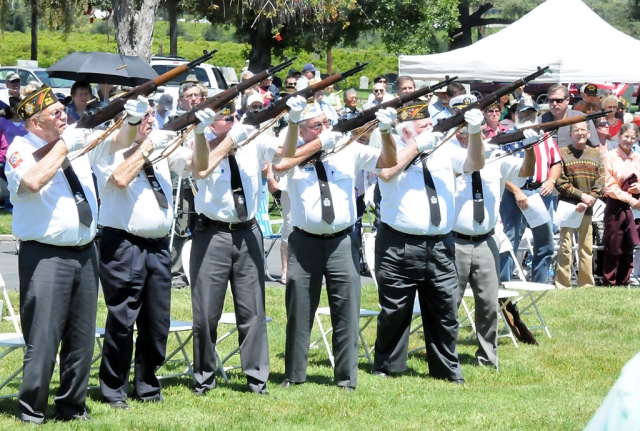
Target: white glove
75, 139
296, 106
238, 134
329, 139
530, 136
136, 109
385, 118
474, 119
161, 138
206, 117
427, 141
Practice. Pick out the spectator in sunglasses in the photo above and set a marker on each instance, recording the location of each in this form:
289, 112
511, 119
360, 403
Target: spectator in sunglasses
290, 84
558, 99
492, 118
605, 144
379, 94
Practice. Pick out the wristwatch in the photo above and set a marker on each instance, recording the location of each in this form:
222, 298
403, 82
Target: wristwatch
144, 152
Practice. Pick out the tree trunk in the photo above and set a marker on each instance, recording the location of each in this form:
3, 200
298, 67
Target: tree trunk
463, 33
172, 11
134, 29
329, 61
34, 29
261, 41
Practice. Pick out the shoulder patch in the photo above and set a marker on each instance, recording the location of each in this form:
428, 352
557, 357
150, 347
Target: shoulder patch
15, 160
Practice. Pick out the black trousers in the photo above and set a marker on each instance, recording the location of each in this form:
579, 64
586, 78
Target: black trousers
58, 302
136, 281
405, 266
220, 257
311, 259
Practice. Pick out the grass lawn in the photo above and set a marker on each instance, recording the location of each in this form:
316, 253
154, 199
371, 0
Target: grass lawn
5, 222
556, 386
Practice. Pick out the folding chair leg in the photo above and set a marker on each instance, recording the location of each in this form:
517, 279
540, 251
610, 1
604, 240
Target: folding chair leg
367, 352
221, 366
326, 341
266, 266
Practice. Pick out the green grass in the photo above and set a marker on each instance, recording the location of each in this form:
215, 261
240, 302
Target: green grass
5, 222
556, 386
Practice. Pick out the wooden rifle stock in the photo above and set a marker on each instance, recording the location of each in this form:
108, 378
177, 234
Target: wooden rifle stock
518, 135
116, 105
488, 100
219, 100
276, 108
369, 115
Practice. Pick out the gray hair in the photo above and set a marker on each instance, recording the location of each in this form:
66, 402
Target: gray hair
350, 92
625, 127
187, 86
559, 87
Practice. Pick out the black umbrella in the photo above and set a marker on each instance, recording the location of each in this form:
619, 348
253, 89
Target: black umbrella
103, 68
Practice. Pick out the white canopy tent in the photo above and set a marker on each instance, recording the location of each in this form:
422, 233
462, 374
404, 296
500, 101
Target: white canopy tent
532, 41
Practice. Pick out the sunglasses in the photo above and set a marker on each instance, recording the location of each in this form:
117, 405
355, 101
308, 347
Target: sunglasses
558, 101
378, 91
291, 85
603, 124
230, 119
491, 111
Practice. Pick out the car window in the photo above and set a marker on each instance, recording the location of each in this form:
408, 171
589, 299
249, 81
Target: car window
201, 74
53, 82
27, 77
222, 84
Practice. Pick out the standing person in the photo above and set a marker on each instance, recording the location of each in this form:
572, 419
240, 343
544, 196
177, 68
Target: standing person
308, 72
136, 212
228, 249
581, 183
415, 248
332, 98
610, 104
290, 84
80, 96
328, 110
379, 96
558, 99
268, 91
589, 94
605, 144
163, 110
514, 200
622, 189
12, 81
441, 110
324, 244
477, 203
350, 109
492, 118
55, 215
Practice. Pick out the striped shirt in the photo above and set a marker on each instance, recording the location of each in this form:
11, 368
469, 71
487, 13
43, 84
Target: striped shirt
582, 172
547, 155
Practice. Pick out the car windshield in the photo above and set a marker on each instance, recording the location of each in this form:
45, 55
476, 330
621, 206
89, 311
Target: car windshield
201, 74
53, 82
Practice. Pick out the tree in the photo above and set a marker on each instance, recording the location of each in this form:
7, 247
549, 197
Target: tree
134, 27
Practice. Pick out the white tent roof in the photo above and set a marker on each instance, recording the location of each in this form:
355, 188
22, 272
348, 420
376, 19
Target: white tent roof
519, 49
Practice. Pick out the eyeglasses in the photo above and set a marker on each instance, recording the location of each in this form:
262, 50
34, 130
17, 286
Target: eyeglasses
230, 119
149, 115
318, 126
55, 114
291, 85
378, 91
491, 111
558, 101
191, 96
580, 131
256, 107
613, 108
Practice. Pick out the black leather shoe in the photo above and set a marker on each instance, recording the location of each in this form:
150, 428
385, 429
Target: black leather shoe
121, 405
286, 384
77, 417
380, 374
200, 392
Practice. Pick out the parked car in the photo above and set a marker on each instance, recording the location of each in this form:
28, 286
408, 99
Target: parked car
537, 90
36, 76
209, 75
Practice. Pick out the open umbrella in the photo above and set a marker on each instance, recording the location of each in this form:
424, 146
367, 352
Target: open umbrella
103, 68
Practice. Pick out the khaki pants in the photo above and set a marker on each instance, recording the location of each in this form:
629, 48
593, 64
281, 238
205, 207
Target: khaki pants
585, 255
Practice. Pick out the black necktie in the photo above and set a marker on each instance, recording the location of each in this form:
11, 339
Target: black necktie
84, 210
478, 198
432, 195
155, 186
236, 188
325, 194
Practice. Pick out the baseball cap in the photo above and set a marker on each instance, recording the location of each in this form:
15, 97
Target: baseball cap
12, 77
590, 89
254, 98
525, 104
309, 67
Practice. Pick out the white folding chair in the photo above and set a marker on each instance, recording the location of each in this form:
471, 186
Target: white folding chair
533, 293
270, 234
176, 327
9, 342
504, 330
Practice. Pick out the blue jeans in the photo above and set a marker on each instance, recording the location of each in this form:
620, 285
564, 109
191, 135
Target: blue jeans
514, 224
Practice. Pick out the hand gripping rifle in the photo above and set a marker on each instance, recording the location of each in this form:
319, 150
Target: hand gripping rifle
369, 115
488, 100
219, 100
116, 105
280, 105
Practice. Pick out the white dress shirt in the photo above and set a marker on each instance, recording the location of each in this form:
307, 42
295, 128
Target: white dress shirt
135, 208
341, 169
493, 175
405, 205
49, 216
215, 198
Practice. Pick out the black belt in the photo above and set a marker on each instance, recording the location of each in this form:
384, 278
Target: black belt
531, 186
474, 238
132, 237
230, 226
324, 236
66, 247
410, 235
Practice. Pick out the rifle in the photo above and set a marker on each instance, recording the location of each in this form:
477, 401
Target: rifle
369, 115
518, 135
219, 100
481, 104
275, 109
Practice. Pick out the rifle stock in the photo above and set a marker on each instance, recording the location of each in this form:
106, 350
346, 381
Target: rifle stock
518, 135
219, 100
275, 109
116, 105
369, 115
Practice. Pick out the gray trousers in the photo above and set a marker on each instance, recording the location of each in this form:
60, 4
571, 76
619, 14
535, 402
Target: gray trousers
309, 260
479, 265
404, 266
220, 256
58, 302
